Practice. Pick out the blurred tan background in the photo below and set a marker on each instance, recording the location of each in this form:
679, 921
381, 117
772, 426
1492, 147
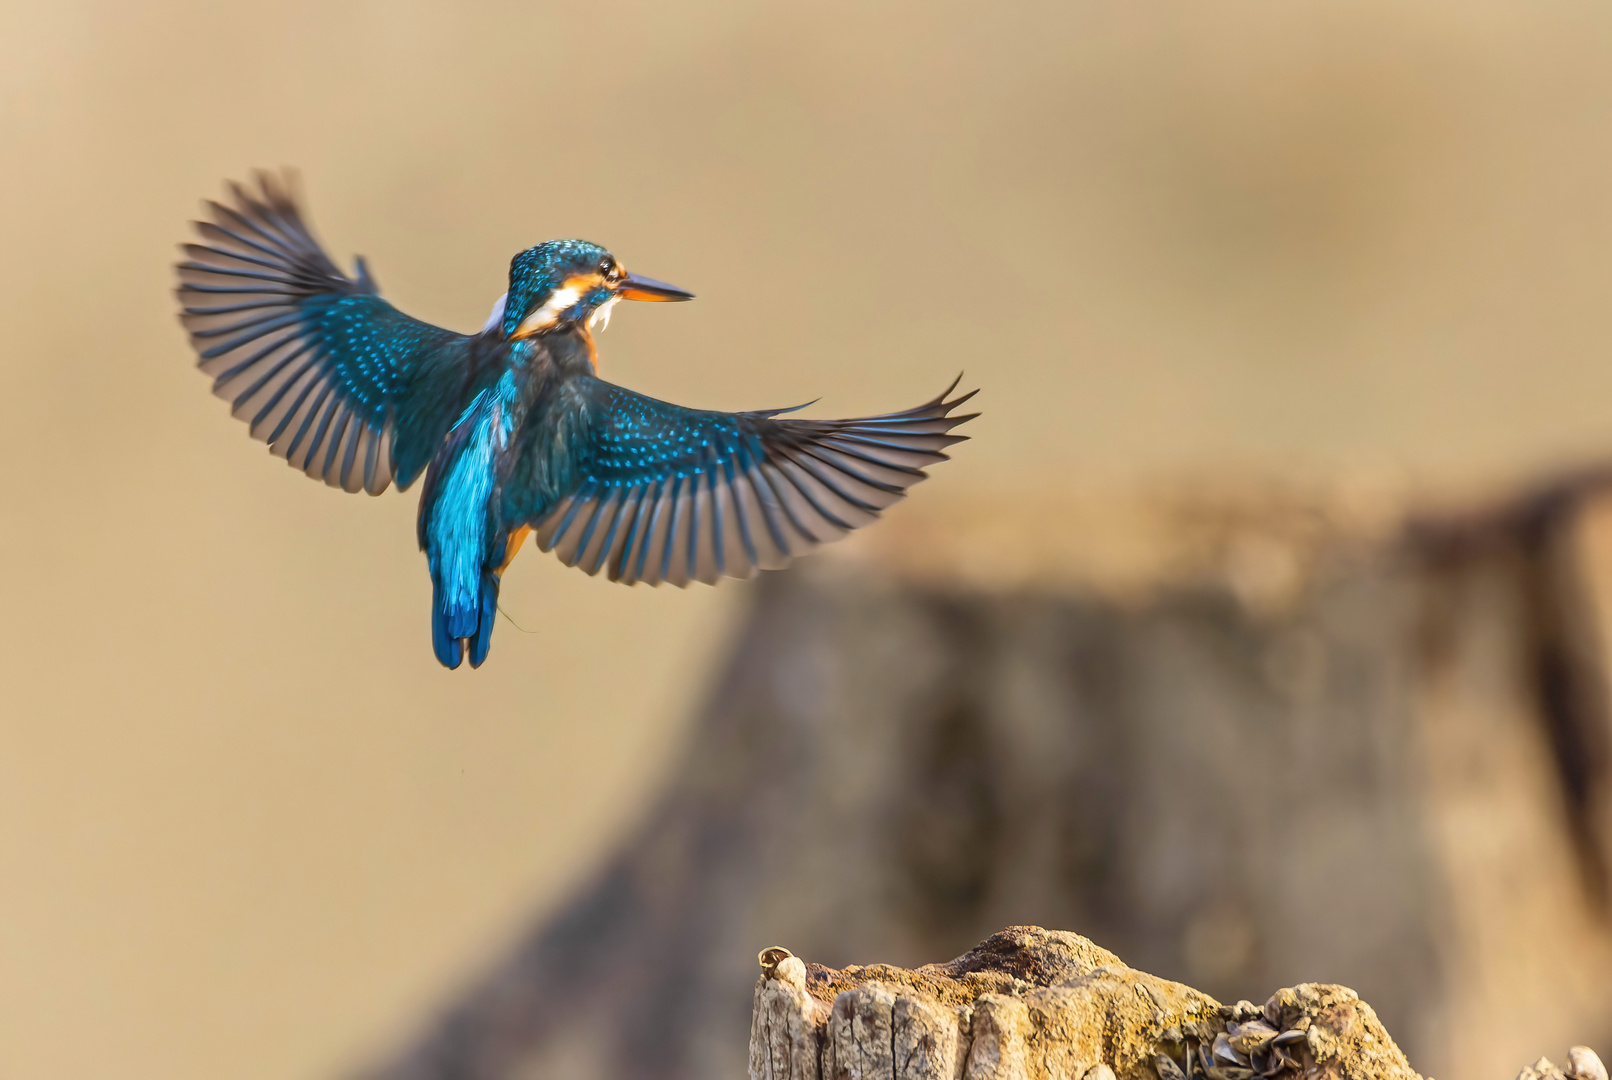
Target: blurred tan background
249, 828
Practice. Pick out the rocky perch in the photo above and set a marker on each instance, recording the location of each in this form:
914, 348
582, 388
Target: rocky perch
1034, 1004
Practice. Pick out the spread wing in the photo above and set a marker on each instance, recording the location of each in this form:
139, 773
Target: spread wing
337, 381
656, 492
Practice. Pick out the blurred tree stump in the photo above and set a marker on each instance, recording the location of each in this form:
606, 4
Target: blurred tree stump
1282, 741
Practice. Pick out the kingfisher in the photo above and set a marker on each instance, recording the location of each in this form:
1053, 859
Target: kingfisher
515, 433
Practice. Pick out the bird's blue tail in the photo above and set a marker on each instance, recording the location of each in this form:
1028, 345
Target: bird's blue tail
454, 627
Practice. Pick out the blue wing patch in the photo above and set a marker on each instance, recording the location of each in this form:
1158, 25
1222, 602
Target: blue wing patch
663, 493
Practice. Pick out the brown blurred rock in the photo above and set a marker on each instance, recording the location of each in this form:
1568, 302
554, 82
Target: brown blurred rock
1032, 1004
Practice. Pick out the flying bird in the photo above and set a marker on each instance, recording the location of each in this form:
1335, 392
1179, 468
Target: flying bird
514, 431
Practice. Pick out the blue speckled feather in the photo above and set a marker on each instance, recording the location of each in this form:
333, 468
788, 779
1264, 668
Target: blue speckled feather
335, 379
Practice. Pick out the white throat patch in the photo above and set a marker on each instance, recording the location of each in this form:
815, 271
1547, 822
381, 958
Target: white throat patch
561, 301
601, 315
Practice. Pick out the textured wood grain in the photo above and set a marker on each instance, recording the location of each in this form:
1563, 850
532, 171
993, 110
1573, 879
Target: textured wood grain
1029, 1004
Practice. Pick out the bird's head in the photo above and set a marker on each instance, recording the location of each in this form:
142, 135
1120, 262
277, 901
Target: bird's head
562, 283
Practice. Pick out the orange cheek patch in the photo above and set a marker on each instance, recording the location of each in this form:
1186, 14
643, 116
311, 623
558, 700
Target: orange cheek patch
516, 539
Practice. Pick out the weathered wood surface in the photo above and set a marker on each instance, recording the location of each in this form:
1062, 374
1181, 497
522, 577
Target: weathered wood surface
1032, 1004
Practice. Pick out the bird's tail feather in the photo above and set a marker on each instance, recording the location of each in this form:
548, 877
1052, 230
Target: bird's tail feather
452, 628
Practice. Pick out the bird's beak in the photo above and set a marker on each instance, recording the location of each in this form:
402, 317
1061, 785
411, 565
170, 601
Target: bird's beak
643, 288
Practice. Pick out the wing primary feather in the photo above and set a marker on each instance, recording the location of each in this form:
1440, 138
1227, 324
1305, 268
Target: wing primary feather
224, 271
810, 451
772, 472
308, 377
218, 234
227, 309
764, 503
336, 446
701, 547
577, 502
928, 456
631, 499
631, 509
938, 402
657, 509
648, 536
268, 409
318, 443
238, 398
282, 207
232, 252
940, 398
383, 458
928, 410
286, 381
675, 504
717, 551
811, 500
211, 260
916, 426
634, 513
289, 222
270, 219
266, 350
358, 430
618, 497
739, 515
599, 507
262, 354
314, 410
655, 538
618, 559
248, 225
854, 450
338, 438
300, 413
264, 225
371, 450
254, 290
692, 555
262, 324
